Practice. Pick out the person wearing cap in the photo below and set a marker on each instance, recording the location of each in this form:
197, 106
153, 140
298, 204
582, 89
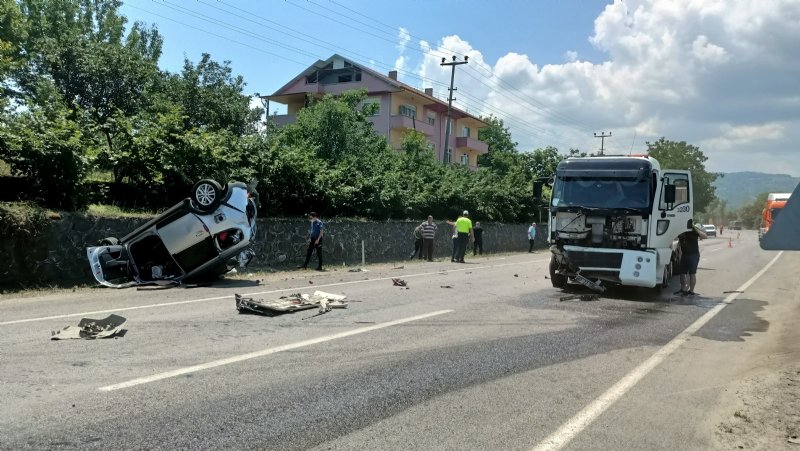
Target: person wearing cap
531, 236
464, 229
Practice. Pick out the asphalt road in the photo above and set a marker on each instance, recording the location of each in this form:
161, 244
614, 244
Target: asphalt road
497, 361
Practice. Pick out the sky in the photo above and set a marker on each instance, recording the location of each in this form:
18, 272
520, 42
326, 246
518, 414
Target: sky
723, 75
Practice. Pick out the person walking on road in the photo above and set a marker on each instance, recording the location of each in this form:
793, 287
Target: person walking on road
316, 232
428, 234
477, 245
454, 239
531, 236
417, 242
690, 259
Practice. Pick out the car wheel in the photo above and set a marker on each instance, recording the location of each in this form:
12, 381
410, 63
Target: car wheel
558, 280
206, 194
109, 241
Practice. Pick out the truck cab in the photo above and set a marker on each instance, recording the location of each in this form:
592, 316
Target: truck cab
615, 219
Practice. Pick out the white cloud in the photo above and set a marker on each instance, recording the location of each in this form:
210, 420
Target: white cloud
403, 38
718, 74
400, 63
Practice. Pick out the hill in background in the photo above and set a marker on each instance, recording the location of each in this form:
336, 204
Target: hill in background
739, 188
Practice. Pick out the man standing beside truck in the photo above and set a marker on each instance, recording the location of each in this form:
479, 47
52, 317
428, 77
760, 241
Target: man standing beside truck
690, 259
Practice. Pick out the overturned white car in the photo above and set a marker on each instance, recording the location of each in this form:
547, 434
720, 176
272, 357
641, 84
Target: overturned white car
202, 237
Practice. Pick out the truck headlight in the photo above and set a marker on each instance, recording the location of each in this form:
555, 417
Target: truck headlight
636, 274
638, 266
639, 259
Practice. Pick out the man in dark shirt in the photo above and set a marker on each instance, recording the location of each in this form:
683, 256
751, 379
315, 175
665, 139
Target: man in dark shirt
316, 232
690, 259
477, 245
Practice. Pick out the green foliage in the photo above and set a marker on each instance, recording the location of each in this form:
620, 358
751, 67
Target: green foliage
48, 148
680, 155
21, 219
749, 215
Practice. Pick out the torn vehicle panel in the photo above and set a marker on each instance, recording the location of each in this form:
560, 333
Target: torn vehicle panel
291, 303
89, 329
204, 236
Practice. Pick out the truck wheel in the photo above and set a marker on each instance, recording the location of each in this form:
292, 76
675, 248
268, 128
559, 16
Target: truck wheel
206, 195
558, 280
109, 241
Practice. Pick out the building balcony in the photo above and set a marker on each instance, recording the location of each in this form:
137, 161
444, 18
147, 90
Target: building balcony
405, 122
281, 120
473, 144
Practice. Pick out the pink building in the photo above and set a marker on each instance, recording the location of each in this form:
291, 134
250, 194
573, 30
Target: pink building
400, 108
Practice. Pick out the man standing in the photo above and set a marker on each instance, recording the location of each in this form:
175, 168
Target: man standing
464, 229
316, 232
417, 242
531, 236
428, 234
477, 245
690, 259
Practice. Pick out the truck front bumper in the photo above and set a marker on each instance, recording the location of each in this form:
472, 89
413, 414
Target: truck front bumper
628, 267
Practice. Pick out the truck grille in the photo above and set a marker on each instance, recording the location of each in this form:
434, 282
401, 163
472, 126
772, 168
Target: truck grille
595, 259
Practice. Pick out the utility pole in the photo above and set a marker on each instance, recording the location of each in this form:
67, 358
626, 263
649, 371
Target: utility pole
450, 98
602, 137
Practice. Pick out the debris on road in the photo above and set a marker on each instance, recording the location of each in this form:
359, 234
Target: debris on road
445, 286
399, 282
355, 270
582, 297
516, 275
589, 283
292, 303
732, 291
398, 267
89, 329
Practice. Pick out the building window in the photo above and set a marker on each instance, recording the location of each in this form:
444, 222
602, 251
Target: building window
465, 132
371, 106
408, 111
448, 156
432, 118
464, 159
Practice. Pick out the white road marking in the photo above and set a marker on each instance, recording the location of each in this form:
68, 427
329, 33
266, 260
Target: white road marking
264, 352
561, 437
295, 289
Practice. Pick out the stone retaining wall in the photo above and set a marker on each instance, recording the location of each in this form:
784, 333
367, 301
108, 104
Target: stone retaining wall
58, 256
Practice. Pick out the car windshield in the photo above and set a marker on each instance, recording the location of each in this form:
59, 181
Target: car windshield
601, 192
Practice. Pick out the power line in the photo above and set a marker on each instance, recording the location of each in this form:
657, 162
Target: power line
209, 19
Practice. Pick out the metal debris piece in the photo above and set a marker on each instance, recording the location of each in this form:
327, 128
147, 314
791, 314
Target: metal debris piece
589, 283
292, 303
89, 329
582, 297
399, 282
732, 291
516, 275
445, 286
398, 267
355, 270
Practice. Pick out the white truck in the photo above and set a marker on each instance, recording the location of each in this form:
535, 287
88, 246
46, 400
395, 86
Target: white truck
615, 219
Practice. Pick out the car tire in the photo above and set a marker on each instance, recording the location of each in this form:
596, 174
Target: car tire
109, 241
558, 280
206, 195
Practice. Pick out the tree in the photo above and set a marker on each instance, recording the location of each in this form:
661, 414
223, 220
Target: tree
501, 147
212, 98
680, 155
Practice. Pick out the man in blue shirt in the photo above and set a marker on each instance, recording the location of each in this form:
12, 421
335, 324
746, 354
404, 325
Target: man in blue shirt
531, 236
316, 232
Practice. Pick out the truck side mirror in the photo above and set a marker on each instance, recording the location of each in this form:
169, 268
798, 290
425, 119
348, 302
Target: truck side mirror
669, 194
537, 190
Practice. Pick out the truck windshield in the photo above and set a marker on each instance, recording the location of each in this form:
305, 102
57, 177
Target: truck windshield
601, 192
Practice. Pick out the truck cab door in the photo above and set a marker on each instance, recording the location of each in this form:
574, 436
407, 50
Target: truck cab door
675, 208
